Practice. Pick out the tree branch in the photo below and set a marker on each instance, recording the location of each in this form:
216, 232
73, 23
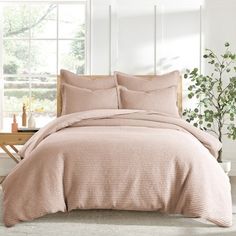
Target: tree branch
23, 29
216, 57
227, 65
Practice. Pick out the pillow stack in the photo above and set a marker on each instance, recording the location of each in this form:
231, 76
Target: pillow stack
158, 94
81, 93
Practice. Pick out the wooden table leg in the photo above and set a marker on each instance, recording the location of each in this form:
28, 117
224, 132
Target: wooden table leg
14, 148
9, 153
2, 178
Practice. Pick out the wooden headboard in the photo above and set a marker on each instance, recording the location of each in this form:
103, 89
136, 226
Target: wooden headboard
59, 100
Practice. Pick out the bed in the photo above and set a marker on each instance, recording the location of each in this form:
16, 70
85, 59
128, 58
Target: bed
121, 159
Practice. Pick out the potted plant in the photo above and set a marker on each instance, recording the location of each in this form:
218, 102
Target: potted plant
215, 91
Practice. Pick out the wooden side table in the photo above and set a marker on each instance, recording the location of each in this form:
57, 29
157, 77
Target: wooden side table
11, 139
8, 142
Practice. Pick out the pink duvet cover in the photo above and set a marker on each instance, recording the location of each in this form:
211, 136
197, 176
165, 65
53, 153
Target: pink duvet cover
118, 159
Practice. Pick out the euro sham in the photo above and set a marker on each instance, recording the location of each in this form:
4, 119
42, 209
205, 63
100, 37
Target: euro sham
144, 84
102, 82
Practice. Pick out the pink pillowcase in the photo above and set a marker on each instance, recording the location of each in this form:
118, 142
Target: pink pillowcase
143, 83
79, 93
82, 81
157, 100
158, 93
75, 99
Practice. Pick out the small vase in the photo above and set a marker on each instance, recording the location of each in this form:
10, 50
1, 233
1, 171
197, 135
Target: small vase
31, 121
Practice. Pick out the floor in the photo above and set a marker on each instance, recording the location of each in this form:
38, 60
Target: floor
115, 223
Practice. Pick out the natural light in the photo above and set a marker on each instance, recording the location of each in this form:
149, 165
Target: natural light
38, 39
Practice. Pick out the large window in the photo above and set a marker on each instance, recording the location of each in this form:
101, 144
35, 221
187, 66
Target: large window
37, 40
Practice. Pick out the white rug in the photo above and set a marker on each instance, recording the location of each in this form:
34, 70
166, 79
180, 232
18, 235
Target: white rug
114, 223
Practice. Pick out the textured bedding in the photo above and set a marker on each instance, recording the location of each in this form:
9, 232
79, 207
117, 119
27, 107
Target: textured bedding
118, 159
161, 100
77, 99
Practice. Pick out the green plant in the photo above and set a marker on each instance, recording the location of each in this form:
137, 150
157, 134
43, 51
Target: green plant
215, 110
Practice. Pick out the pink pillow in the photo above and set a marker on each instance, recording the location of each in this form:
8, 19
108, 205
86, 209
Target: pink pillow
75, 99
145, 84
163, 100
161, 92
102, 82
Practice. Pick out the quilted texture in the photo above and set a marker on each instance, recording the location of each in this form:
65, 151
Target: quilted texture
118, 159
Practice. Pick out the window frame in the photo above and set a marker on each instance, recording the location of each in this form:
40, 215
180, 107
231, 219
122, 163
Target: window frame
30, 39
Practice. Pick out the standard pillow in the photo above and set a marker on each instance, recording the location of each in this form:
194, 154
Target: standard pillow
102, 82
162, 100
77, 99
145, 84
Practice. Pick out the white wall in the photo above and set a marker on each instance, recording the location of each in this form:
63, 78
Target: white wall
142, 43
135, 32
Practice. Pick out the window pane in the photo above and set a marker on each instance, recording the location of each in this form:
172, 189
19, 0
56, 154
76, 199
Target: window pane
44, 95
43, 57
43, 101
16, 21
43, 18
16, 92
30, 53
15, 56
71, 55
71, 19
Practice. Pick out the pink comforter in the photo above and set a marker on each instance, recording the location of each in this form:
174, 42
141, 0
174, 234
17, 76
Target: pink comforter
118, 159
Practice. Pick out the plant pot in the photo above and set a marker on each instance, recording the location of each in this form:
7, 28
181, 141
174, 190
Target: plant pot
226, 166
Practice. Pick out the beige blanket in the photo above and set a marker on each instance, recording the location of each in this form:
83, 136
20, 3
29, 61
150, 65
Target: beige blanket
118, 159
